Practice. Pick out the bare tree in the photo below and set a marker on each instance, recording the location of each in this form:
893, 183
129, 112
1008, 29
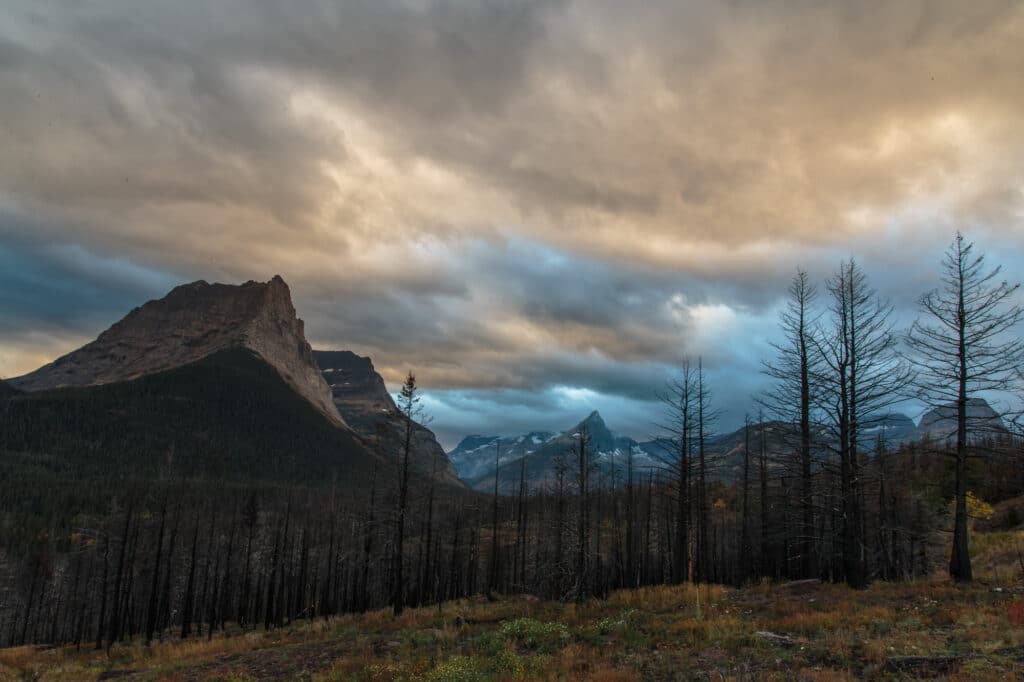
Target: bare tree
745, 546
705, 417
791, 398
679, 428
961, 349
492, 573
862, 377
408, 403
581, 449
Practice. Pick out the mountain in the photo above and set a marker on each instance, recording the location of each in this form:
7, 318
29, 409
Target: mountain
210, 381
190, 323
892, 428
473, 457
540, 465
228, 416
939, 424
363, 401
539, 452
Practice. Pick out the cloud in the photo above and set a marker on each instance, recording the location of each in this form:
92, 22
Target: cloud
507, 196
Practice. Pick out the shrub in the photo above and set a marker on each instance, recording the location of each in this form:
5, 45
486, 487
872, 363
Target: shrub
457, 669
534, 635
977, 508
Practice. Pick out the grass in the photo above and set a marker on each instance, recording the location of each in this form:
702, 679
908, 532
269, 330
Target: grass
821, 632
653, 633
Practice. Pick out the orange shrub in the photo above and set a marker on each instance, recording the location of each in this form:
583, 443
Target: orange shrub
1016, 612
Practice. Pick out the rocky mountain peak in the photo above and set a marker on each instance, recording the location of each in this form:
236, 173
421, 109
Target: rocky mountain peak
363, 401
193, 321
595, 426
940, 423
353, 377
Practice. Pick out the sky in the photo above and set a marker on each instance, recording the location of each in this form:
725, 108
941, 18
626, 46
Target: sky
540, 207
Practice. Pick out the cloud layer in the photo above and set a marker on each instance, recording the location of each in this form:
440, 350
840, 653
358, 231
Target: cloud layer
524, 201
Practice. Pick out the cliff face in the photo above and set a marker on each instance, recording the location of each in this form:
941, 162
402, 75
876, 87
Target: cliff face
192, 322
940, 423
364, 403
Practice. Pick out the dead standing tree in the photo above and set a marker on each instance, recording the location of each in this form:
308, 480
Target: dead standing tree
862, 376
581, 451
409, 404
961, 348
791, 399
679, 429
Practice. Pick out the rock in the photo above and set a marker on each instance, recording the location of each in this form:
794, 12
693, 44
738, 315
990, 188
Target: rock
194, 321
783, 640
799, 586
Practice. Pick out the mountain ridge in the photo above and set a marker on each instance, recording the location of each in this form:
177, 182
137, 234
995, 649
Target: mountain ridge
362, 399
194, 321
473, 457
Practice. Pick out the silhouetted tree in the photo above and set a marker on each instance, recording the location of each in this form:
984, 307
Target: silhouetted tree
863, 375
408, 403
961, 348
790, 399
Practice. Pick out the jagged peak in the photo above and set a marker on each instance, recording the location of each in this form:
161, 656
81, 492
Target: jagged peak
196, 292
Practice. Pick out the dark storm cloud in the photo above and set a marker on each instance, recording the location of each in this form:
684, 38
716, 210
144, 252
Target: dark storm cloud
64, 286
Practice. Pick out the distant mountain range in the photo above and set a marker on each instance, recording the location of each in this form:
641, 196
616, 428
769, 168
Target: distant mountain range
540, 452
537, 454
212, 379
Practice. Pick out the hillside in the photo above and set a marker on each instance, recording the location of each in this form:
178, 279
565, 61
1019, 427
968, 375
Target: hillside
6, 389
226, 415
797, 631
